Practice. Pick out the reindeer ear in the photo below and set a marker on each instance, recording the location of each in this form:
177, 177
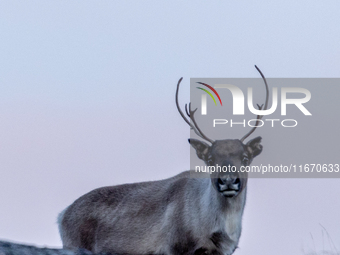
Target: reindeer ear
201, 148
254, 146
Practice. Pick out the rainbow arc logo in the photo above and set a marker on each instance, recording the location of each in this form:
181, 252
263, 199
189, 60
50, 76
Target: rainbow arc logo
209, 93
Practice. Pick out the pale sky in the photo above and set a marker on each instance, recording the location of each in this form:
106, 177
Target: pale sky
87, 100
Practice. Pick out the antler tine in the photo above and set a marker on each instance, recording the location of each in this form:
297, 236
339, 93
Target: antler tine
259, 117
195, 126
192, 117
253, 129
178, 108
267, 89
186, 110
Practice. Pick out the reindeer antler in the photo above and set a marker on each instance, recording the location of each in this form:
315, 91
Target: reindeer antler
259, 117
190, 114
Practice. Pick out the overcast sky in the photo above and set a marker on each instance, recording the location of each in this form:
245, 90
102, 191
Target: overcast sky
87, 100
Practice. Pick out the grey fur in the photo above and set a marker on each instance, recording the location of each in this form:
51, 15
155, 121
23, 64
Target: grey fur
179, 215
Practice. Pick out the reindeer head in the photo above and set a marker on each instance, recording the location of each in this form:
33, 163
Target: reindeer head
226, 155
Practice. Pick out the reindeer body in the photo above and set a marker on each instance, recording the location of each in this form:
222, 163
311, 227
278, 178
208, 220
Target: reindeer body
179, 215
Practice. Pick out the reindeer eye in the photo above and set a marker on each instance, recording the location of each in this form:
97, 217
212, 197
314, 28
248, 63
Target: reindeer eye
245, 160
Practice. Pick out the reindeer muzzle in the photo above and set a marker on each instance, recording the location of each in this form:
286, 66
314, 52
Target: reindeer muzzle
229, 186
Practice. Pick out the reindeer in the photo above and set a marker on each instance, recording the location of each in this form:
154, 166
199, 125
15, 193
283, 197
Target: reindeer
179, 215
